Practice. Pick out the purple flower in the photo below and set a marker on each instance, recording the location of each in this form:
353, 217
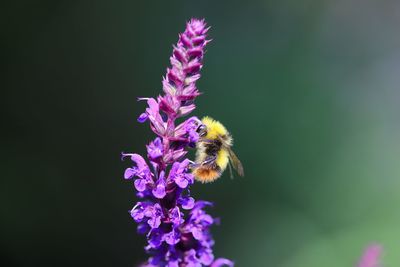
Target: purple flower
191, 259
206, 256
137, 212
143, 228
187, 203
173, 237
153, 113
222, 262
142, 170
159, 189
155, 238
174, 155
180, 175
155, 149
176, 226
143, 117
140, 184
172, 258
155, 214
187, 131
175, 216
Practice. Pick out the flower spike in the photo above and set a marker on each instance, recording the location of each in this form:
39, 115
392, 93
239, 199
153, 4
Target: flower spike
176, 225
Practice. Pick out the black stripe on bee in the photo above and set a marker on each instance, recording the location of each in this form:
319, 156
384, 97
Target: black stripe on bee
213, 147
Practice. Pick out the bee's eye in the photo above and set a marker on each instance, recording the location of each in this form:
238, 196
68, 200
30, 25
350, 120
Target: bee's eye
202, 130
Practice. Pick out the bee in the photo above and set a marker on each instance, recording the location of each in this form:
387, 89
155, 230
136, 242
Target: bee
214, 152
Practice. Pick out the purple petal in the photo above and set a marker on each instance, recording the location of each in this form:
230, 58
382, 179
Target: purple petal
201, 204
139, 160
172, 258
174, 77
196, 52
176, 216
155, 239
142, 228
192, 79
168, 88
175, 155
174, 263
180, 54
190, 89
174, 169
187, 126
169, 105
172, 238
197, 25
155, 149
193, 68
154, 213
185, 40
142, 118
191, 259
154, 116
175, 63
197, 233
187, 202
129, 173
184, 164
222, 262
154, 261
159, 191
137, 213
206, 256
199, 40
206, 219
140, 184
154, 222
193, 136
189, 177
184, 110
153, 105
181, 182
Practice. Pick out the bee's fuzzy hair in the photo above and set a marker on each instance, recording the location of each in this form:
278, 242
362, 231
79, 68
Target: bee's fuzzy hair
214, 128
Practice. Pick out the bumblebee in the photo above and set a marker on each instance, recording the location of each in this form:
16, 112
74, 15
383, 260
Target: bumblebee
214, 152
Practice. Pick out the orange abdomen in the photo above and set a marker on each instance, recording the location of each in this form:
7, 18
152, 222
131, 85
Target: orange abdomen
206, 175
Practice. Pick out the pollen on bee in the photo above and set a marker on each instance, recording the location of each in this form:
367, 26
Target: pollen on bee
206, 175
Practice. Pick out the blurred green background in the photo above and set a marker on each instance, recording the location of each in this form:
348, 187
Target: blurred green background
309, 90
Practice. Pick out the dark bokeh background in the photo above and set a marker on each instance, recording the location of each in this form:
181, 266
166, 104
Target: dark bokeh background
309, 89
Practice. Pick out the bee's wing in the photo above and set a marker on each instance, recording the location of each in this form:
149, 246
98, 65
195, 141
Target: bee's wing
237, 165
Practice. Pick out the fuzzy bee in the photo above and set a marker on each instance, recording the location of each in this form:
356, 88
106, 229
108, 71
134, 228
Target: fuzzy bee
214, 152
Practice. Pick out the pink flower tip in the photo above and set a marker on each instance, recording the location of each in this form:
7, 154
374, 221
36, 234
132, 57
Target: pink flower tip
371, 256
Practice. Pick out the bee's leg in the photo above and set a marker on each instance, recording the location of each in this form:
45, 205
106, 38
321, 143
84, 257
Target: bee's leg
230, 169
193, 165
206, 141
210, 159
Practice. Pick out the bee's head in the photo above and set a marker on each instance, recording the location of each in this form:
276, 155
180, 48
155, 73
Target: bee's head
202, 130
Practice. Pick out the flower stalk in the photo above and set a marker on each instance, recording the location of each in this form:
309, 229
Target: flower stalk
176, 225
